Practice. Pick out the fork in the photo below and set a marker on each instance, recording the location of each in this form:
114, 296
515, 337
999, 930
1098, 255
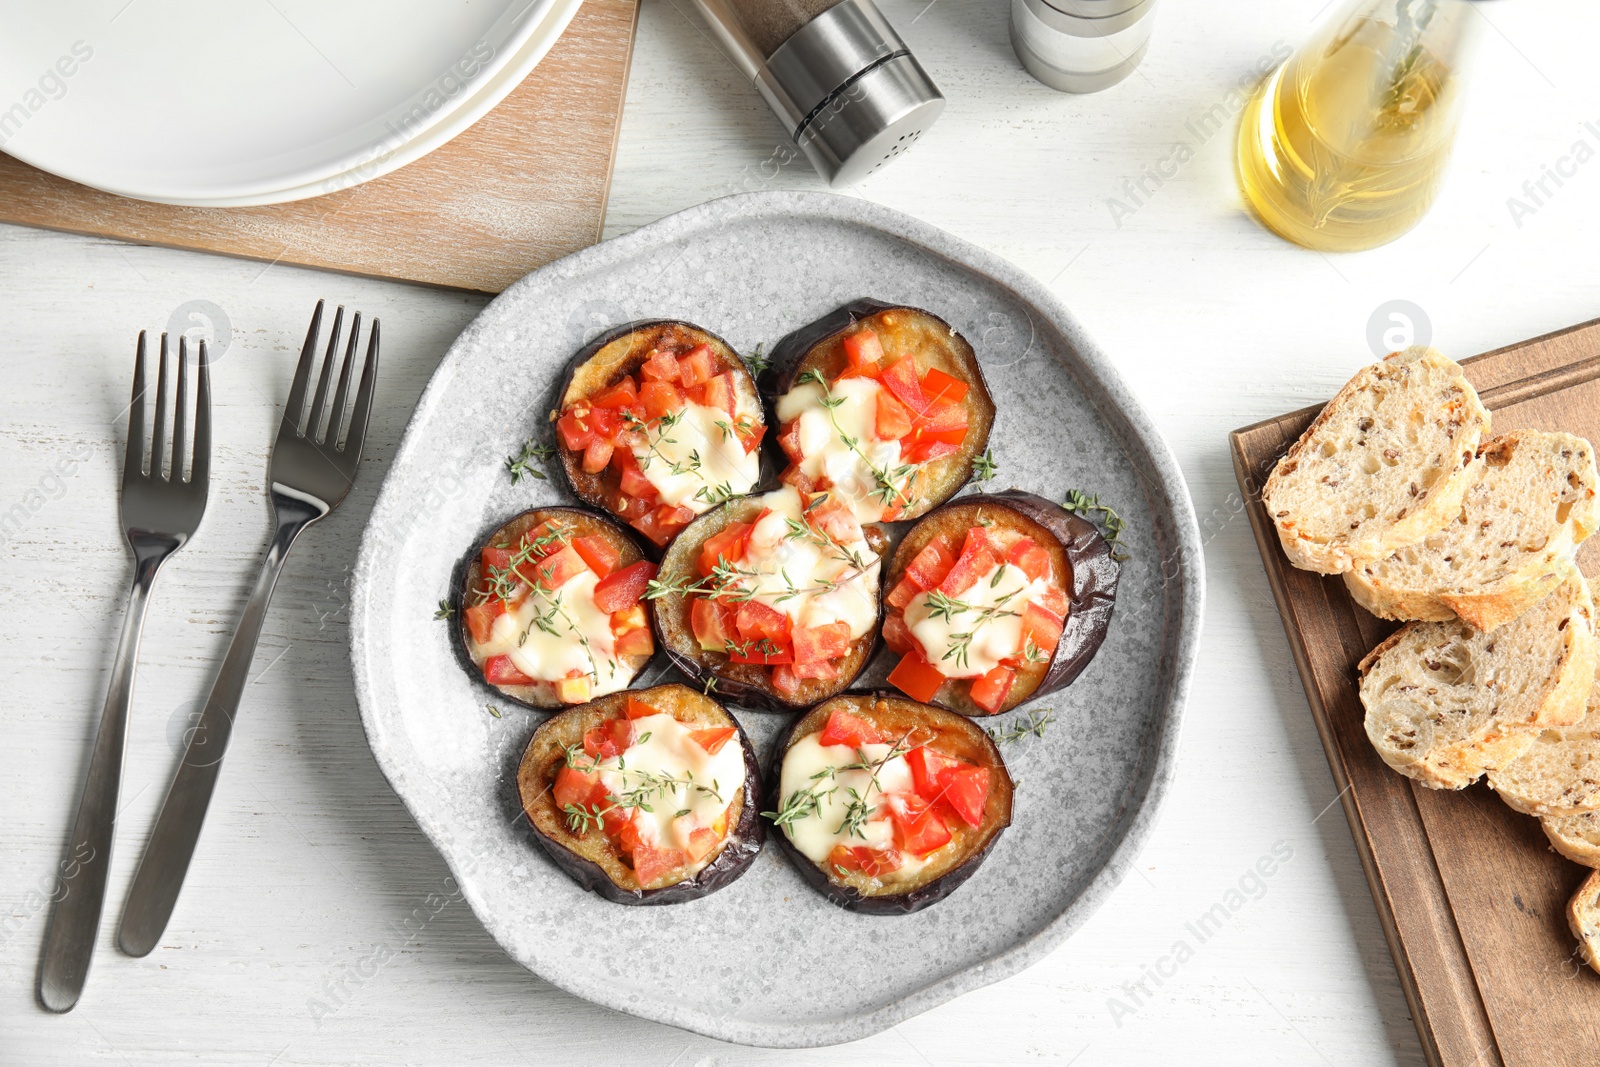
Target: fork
160, 512
312, 470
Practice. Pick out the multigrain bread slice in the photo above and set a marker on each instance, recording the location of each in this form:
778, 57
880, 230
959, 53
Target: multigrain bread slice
1560, 772
1445, 702
1383, 466
1518, 528
1576, 837
1583, 915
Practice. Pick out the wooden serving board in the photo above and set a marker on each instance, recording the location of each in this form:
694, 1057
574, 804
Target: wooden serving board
1471, 897
527, 184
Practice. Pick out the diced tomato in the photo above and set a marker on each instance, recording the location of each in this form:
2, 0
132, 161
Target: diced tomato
631, 507
938, 385
702, 842
835, 519
624, 394
607, 424
634, 643
928, 768
894, 418
900, 378
634, 708
815, 644
622, 589
760, 651
628, 835
574, 787
697, 366
966, 790
871, 862
719, 393
944, 416
634, 483
651, 526
757, 620
785, 681
599, 554
574, 427
929, 567
597, 744
597, 456
613, 818
844, 728
789, 441
1054, 601
652, 864
862, 348
990, 690
573, 690
629, 619
660, 367
553, 571
660, 398
918, 827
493, 556
978, 557
926, 449
712, 624
499, 670
480, 619
903, 593
1042, 628
896, 634
1028, 555
749, 433
798, 480
728, 545
713, 738
826, 669
916, 677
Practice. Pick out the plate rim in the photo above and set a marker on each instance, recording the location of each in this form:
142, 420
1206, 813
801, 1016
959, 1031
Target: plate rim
313, 174
1164, 482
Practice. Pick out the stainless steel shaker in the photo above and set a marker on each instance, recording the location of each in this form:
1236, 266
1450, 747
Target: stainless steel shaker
1081, 46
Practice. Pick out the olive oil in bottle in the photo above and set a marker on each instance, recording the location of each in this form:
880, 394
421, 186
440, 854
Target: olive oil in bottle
1345, 145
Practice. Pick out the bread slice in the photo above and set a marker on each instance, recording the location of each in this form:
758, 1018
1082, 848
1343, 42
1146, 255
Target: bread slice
1382, 467
1560, 772
1518, 528
1583, 915
1576, 837
1445, 702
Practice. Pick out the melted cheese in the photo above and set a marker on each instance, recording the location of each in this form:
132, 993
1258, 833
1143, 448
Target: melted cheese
702, 785
807, 577
811, 765
550, 657
695, 456
1004, 588
824, 450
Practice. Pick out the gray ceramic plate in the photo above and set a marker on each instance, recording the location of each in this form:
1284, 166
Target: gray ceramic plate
751, 268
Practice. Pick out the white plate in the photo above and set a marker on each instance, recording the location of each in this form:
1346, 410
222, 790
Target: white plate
186, 100
467, 112
759, 961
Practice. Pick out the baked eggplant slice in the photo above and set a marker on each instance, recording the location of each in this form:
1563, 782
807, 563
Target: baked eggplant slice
645, 797
551, 608
776, 597
882, 405
659, 421
884, 804
994, 599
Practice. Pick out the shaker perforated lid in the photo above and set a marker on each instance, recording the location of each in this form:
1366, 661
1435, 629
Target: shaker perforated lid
850, 91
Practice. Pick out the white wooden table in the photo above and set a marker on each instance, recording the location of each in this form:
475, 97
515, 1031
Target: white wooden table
310, 867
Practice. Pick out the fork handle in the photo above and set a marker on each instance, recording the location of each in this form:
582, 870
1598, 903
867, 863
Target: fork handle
81, 890
177, 830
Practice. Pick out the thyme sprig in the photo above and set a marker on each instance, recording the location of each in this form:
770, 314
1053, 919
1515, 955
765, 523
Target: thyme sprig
1035, 726
445, 610
502, 583
984, 467
757, 361
522, 463
804, 803
642, 795
888, 480
941, 606
1080, 503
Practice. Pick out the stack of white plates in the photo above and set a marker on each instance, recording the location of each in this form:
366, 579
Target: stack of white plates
226, 105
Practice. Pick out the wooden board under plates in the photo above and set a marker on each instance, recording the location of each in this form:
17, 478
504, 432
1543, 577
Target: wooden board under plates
1471, 897
527, 184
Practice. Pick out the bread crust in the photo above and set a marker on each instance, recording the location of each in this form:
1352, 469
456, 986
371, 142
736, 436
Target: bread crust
1583, 916
1576, 837
1560, 773
1430, 508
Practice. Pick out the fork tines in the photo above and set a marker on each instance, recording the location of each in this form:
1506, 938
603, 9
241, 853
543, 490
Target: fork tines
164, 464
321, 423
